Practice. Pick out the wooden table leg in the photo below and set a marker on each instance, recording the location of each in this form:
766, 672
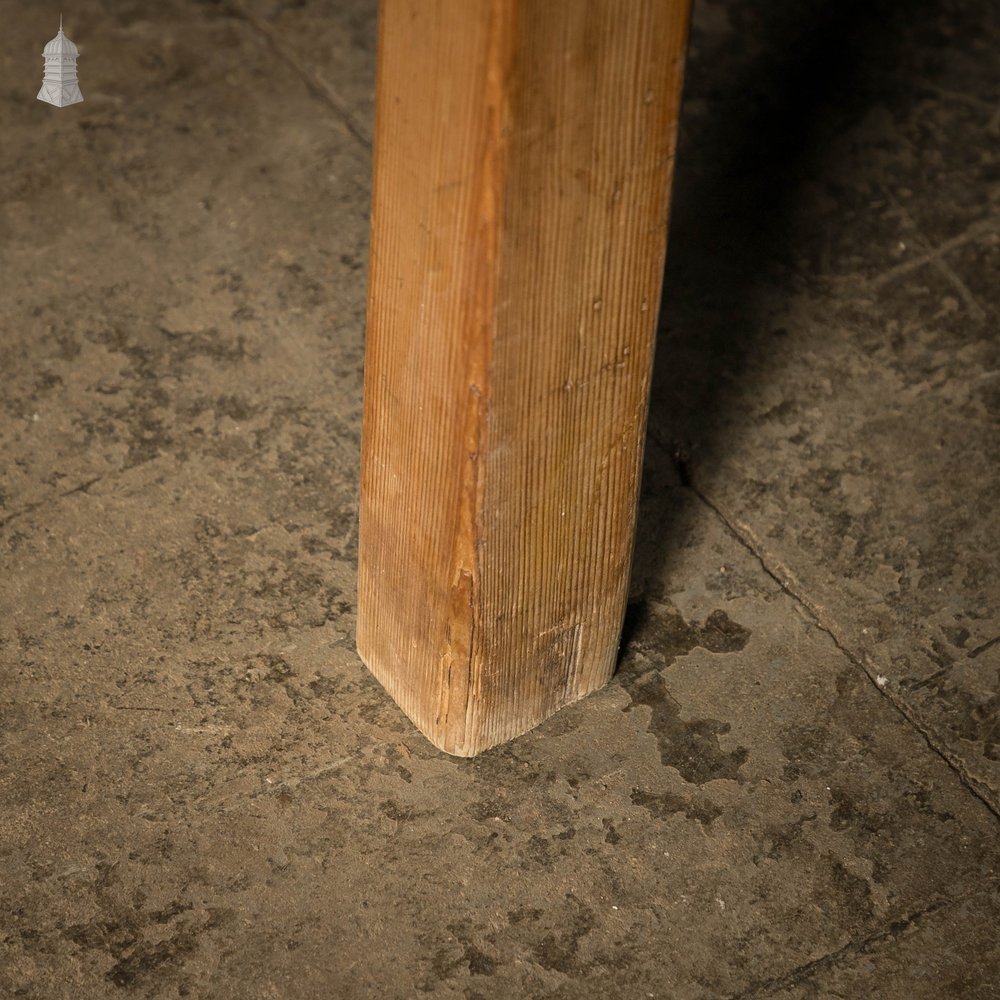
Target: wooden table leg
523, 154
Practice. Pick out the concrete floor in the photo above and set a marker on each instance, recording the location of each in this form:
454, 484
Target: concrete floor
790, 790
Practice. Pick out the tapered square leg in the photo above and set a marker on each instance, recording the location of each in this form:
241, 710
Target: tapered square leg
523, 158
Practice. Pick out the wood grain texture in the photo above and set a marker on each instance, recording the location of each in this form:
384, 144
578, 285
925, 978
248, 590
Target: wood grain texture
523, 155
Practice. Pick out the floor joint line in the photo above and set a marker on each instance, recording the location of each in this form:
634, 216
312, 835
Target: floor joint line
742, 534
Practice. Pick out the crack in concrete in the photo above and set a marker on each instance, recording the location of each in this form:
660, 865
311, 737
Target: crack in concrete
853, 949
933, 255
29, 508
316, 83
785, 579
973, 653
936, 255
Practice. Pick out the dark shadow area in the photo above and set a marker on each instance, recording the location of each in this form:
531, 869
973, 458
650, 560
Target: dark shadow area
769, 88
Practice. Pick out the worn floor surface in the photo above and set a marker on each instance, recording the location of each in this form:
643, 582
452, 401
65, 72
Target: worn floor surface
790, 790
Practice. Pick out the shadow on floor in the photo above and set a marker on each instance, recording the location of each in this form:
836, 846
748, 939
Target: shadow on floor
772, 95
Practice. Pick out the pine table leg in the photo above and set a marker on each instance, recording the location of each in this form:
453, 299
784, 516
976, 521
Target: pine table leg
523, 153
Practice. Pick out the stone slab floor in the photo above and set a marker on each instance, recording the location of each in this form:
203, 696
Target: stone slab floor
790, 790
